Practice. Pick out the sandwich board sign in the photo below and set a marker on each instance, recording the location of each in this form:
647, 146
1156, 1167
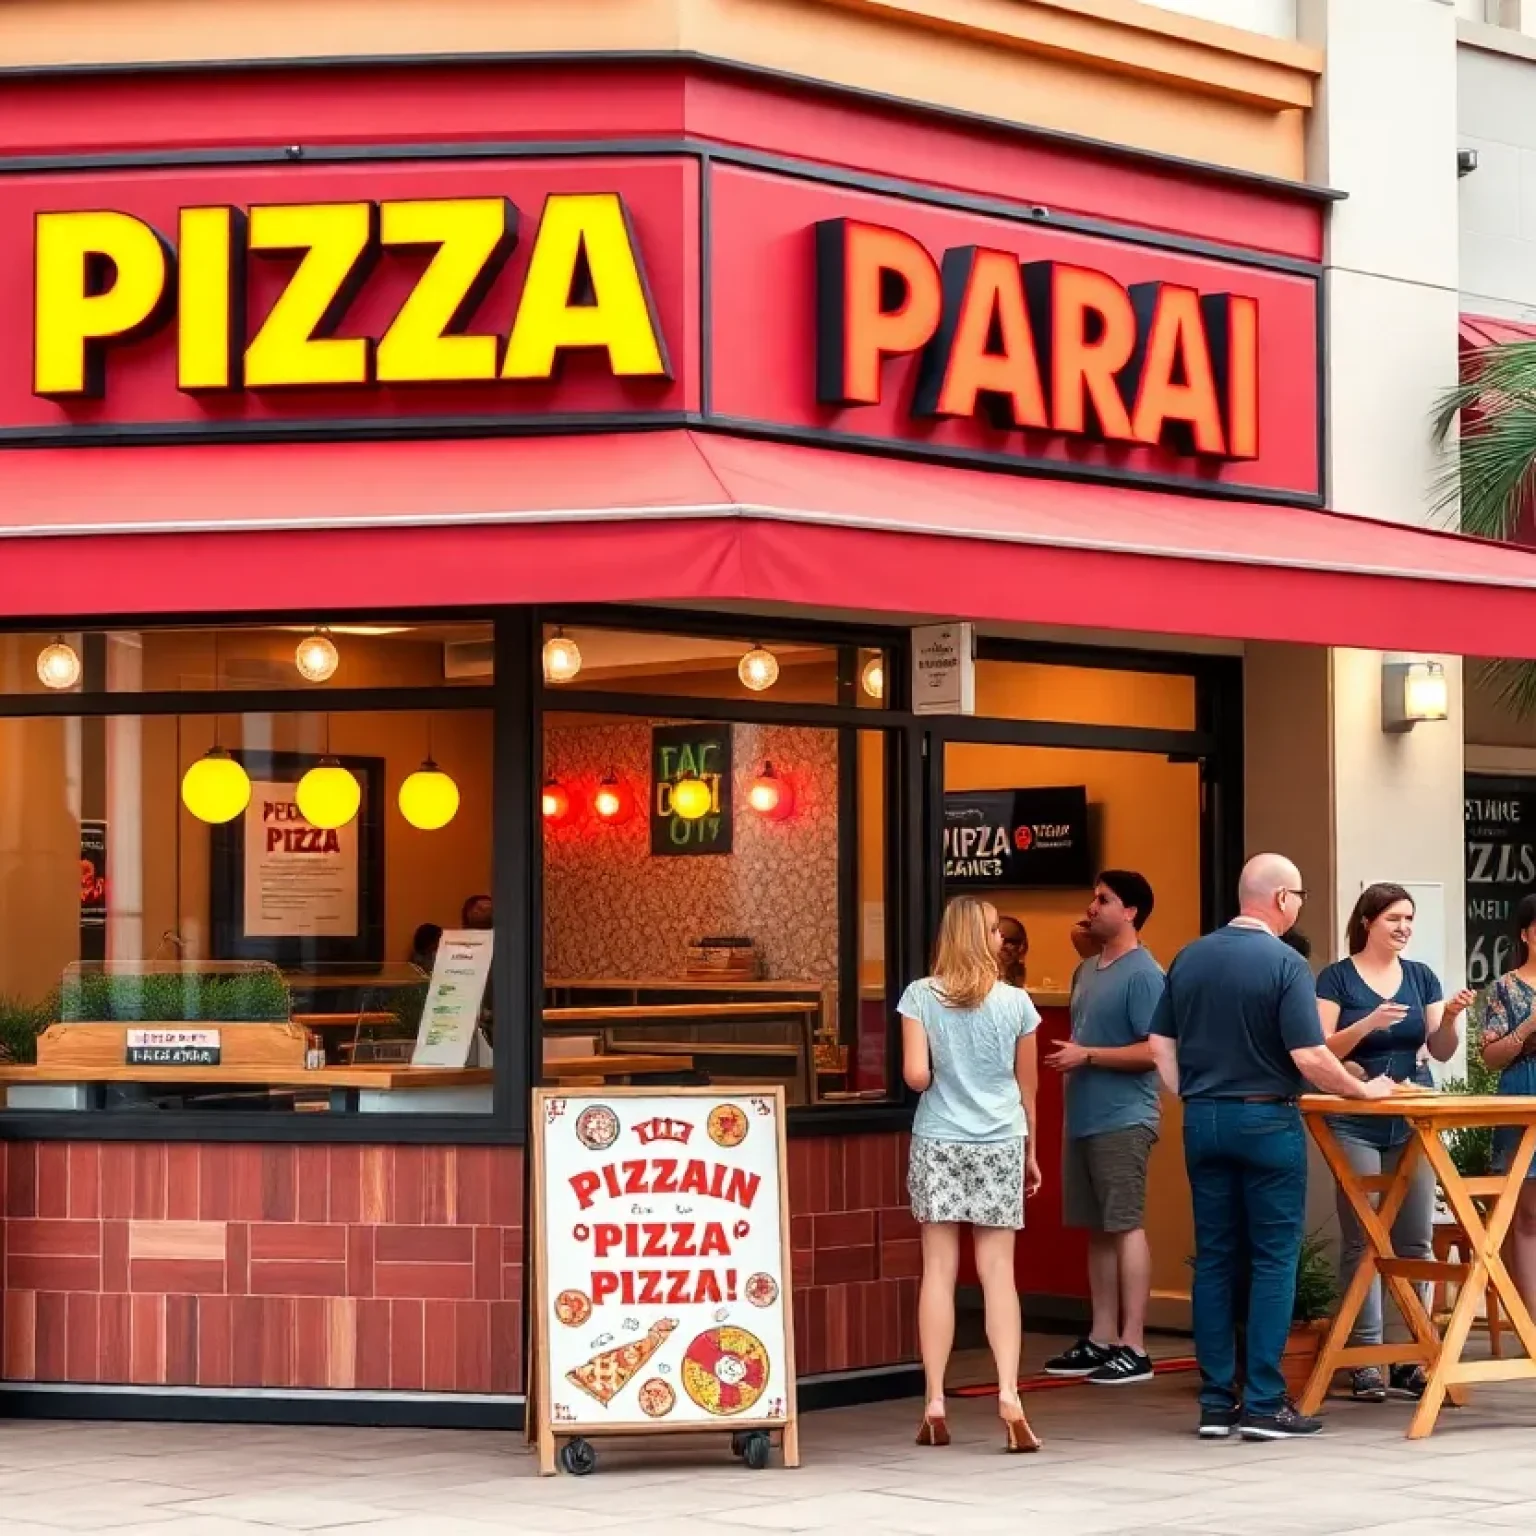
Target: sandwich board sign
661, 1270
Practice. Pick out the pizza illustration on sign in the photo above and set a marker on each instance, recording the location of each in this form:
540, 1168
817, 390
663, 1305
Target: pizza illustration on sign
725, 1370
597, 1128
656, 1398
573, 1308
762, 1290
604, 1376
727, 1125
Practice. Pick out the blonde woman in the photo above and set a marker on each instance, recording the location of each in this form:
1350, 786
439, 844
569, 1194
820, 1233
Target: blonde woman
968, 1046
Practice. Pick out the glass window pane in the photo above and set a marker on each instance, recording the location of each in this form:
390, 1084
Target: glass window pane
280, 954
1020, 690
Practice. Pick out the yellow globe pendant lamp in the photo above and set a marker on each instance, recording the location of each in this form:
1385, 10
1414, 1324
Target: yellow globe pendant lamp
692, 798
429, 799
216, 789
328, 795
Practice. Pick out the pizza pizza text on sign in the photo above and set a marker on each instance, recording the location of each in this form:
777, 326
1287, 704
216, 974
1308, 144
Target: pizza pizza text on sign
1041, 346
107, 279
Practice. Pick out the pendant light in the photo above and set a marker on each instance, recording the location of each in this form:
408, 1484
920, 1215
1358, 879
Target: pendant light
562, 658
613, 801
58, 665
873, 677
770, 796
317, 657
329, 795
758, 669
554, 801
692, 798
216, 788
429, 799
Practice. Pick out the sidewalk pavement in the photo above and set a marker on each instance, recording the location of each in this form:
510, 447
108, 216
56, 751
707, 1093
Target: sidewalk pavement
1116, 1460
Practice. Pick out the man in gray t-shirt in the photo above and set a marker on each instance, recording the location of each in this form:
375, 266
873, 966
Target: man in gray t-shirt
1112, 1119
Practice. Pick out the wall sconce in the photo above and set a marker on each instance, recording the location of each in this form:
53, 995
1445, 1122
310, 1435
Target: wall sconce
613, 801
1412, 691
770, 796
692, 798
554, 802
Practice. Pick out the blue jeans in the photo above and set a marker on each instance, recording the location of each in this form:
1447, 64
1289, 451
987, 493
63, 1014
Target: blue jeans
1248, 1177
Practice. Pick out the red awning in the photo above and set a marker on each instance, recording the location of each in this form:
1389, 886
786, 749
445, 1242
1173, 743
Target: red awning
661, 516
1493, 330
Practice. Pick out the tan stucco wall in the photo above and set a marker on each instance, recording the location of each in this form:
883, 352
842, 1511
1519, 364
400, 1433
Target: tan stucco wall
1117, 70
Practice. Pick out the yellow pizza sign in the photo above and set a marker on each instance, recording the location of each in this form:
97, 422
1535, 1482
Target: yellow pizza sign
106, 279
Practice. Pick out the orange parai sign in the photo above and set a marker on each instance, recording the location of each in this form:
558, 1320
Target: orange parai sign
1036, 345
106, 278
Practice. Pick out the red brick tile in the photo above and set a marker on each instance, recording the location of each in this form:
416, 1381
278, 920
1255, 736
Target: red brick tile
472, 1346
181, 1277
900, 1259
817, 1352
20, 1335
29, 1235
149, 1180
247, 1320
313, 1174
290, 1240
439, 1184
409, 1165
406, 1343
84, 1180
802, 1271
837, 1175
506, 1186
849, 1229
455, 1282
83, 1348
181, 1341
506, 1346
373, 1345
376, 1182
839, 1305
215, 1193
360, 1254
297, 1277
906, 1316
279, 1184
215, 1341
802, 1199
344, 1183
148, 1340
802, 1232
279, 1318
843, 1266
472, 1186
439, 1348
183, 1173
511, 1282
487, 1264
114, 1332
27, 1272
311, 1343
21, 1179
52, 1326
116, 1182
247, 1194
897, 1224
801, 1311
237, 1258
425, 1245
53, 1179
511, 1245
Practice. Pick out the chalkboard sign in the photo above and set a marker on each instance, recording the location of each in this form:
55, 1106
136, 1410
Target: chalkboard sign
1501, 868
998, 839
690, 752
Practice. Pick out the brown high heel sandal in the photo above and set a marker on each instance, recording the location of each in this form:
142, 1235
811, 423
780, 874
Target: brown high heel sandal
933, 1431
1017, 1434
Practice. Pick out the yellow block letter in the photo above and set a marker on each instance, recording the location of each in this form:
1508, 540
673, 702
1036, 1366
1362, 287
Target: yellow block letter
210, 278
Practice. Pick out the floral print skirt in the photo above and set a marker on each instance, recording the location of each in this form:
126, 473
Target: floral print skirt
980, 1183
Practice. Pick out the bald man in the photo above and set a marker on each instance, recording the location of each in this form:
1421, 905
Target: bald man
1237, 1036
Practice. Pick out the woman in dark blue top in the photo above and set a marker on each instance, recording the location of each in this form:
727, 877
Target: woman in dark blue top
1380, 1014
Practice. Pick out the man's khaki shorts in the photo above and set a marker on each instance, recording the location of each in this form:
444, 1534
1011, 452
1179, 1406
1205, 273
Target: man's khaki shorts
1104, 1179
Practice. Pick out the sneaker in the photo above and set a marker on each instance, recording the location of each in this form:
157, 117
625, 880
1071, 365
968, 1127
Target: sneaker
1367, 1385
1287, 1424
1218, 1423
1407, 1381
1124, 1368
1083, 1359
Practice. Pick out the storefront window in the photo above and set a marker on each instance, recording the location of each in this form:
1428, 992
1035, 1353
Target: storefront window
1023, 690
714, 905
242, 911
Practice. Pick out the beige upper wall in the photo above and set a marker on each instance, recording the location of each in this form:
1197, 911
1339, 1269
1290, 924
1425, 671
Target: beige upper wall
1116, 70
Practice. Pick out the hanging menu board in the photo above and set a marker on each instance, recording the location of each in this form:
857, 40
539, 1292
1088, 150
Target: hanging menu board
661, 1265
1501, 868
1000, 839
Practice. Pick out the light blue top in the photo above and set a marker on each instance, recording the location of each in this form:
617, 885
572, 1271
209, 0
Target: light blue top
974, 1095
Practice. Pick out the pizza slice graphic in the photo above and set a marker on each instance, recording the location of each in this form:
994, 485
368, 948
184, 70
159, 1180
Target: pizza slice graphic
604, 1376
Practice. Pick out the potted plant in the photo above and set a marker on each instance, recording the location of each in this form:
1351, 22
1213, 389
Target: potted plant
1317, 1291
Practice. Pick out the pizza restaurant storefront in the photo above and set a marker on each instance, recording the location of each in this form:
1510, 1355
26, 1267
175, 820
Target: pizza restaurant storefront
666, 565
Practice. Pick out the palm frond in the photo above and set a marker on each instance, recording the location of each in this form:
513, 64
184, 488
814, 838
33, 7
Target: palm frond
1491, 480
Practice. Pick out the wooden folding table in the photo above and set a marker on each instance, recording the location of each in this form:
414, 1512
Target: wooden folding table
1428, 1115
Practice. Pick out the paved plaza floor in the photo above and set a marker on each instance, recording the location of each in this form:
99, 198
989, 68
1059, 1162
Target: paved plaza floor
1115, 1460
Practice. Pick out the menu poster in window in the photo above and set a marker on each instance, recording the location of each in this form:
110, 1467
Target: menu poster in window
93, 874
662, 1263
1000, 839
446, 1035
1501, 868
691, 798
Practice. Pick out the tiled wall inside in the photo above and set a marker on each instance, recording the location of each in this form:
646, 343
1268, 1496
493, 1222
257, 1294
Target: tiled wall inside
277, 1266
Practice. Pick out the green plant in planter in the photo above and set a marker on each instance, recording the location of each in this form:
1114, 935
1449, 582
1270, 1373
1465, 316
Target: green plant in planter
172, 997
1471, 1147
21, 1023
